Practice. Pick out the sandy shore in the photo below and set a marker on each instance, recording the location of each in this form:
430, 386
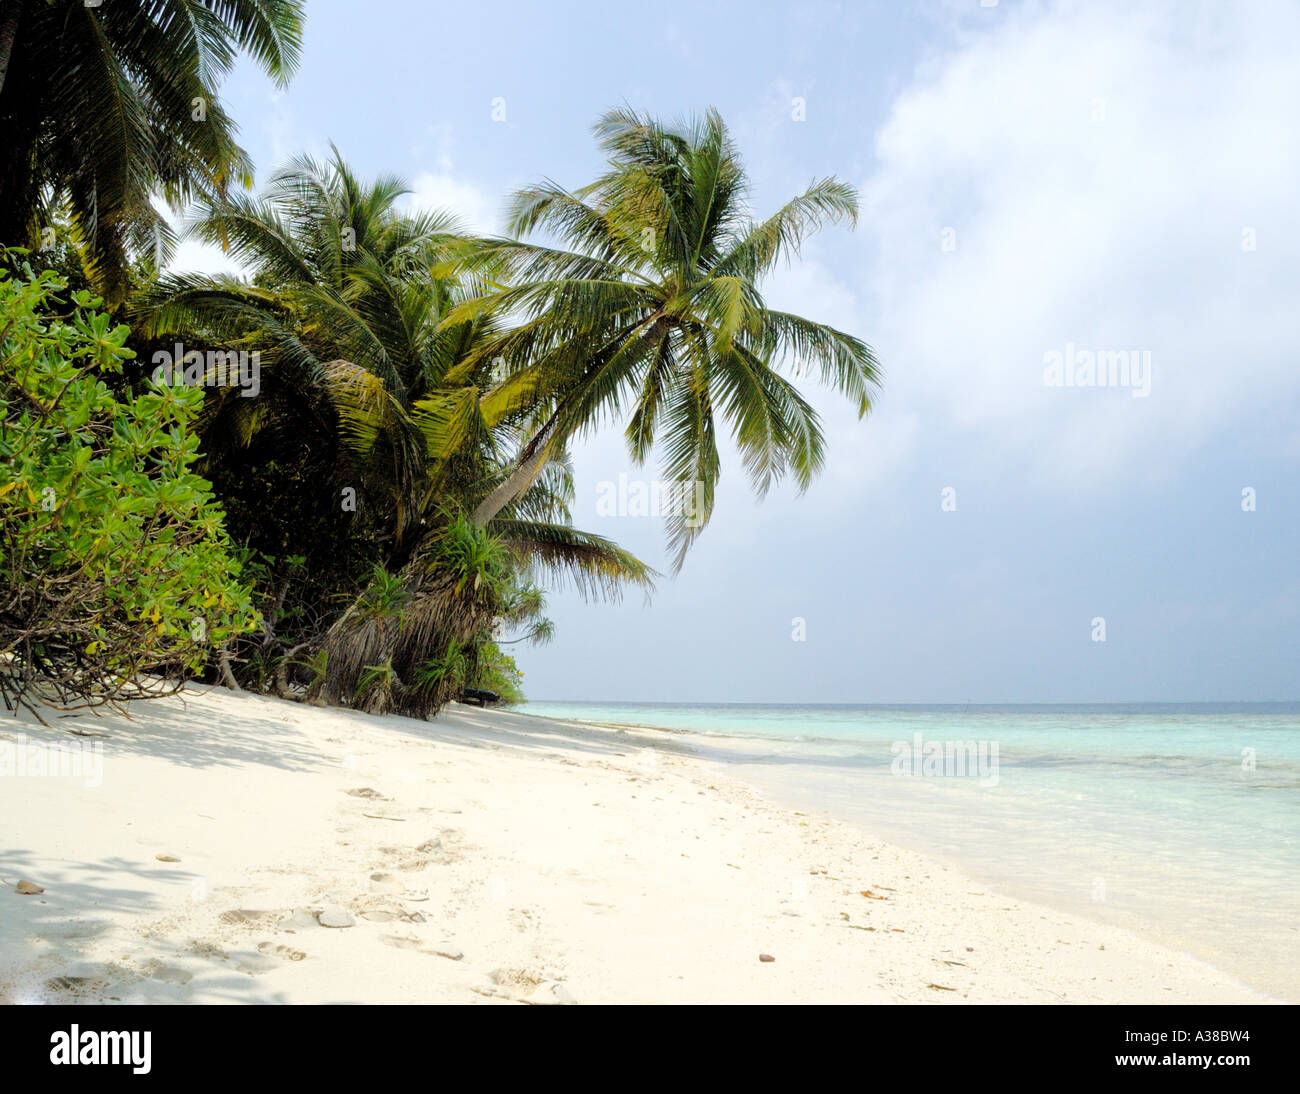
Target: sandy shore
490, 857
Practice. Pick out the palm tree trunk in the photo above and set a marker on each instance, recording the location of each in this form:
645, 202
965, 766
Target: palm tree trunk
517, 482
8, 32
538, 451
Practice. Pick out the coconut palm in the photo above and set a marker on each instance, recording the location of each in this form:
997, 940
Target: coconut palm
344, 308
350, 303
105, 105
349, 306
649, 304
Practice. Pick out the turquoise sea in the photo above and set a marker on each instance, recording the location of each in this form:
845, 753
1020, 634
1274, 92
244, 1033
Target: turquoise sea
1179, 821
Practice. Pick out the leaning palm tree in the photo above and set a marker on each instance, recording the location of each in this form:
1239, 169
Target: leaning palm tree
348, 306
105, 105
649, 303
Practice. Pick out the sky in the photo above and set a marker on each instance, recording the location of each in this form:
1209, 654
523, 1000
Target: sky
1043, 186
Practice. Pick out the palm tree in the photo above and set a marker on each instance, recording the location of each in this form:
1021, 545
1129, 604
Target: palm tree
103, 106
650, 303
349, 306
343, 307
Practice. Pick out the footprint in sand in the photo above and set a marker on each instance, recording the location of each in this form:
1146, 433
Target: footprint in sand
170, 974
70, 985
274, 949
208, 949
88, 983
410, 942
386, 885
435, 851
440, 850
526, 986
248, 917
266, 957
74, 929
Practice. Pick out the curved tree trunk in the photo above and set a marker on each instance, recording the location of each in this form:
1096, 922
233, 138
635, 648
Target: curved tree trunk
537, 452
518, 481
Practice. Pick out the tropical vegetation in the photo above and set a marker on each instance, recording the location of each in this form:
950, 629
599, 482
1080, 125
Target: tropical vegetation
117, 578
378, 526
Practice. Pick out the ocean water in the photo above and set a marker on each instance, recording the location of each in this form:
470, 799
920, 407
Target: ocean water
1181, 822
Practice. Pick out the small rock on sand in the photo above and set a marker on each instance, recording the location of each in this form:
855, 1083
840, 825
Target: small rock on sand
162, 856
335, 917
28, 888
766, 957
301, 920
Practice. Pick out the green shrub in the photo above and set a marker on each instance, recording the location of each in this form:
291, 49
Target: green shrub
495, 670
116, 574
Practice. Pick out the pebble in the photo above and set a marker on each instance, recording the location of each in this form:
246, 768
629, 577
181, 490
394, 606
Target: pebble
766, 957
302, 919
335, 917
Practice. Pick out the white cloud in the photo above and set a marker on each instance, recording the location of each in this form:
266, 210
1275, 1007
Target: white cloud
443, 191
1099, 165
860, 456
192, 255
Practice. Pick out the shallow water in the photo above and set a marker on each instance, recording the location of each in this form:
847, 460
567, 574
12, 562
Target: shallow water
1181, 822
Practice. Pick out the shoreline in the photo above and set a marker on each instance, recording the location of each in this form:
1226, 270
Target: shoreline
490, 856
1036, 874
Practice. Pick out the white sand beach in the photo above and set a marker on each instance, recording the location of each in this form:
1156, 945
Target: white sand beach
492, 857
